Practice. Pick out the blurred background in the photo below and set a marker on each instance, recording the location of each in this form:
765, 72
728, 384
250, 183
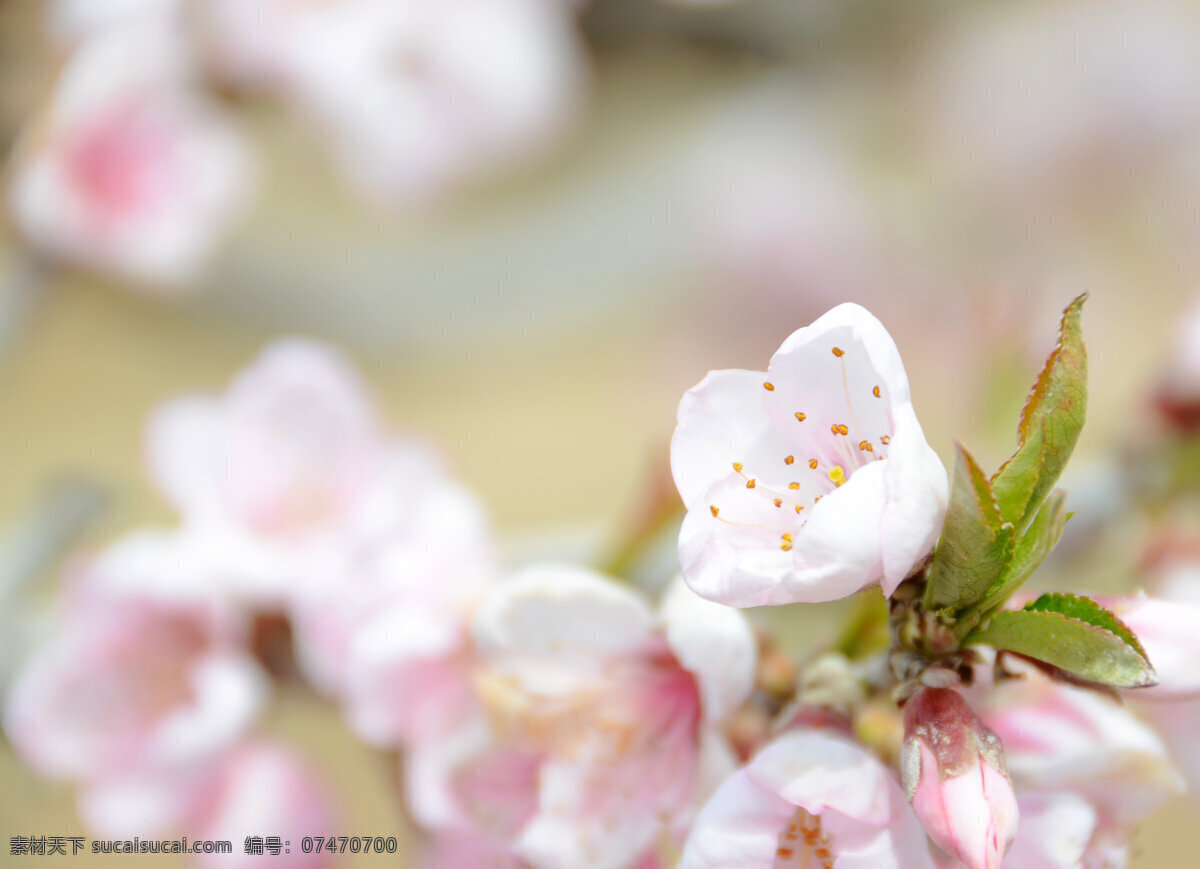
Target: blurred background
623, 195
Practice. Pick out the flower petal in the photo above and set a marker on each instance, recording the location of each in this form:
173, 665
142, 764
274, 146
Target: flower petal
715, 644
722, 420
552, 625
1168, 632
181, 451
856, 802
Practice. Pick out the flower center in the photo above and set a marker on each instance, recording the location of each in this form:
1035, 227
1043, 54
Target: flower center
833, 440
804, 844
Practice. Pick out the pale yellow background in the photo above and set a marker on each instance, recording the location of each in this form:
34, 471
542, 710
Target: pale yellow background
551, 390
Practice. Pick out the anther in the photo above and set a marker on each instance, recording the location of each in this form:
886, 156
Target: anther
798, 508
812, 463
800, 416
778, 502
875, 392
786, 546
737, 466
750, 484
769, 387
789, 460
866, 445
715, 510
885, 440
838, 429
839, 352
793, 486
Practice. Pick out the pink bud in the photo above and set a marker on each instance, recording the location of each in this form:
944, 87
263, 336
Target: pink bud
955, 777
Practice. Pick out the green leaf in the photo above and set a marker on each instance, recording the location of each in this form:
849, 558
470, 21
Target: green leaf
1074, 634
1050, 425
1086, 610
976, 543
1030, 551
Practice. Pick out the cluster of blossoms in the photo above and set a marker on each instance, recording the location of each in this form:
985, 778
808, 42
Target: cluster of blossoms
551, 717
135, 167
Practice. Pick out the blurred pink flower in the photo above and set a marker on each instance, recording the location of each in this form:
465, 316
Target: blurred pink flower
810, 798
70, 22
812, 480
1175, 575
461, 850
954, 773
129, 170
599, 725
288, 474
1061, 738
146, 671
255, 788
1064, 831
413, 97
262, 789
1168, 632
388, 632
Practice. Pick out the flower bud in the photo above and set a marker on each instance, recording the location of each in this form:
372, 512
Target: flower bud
955, 777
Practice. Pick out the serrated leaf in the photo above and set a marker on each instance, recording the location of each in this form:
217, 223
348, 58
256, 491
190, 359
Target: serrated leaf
1086, 610
1030, 551
1050, 424
976, 543
1082, 648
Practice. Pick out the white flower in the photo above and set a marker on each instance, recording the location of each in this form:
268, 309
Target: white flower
413, 97
1062, 830
810, 798
129, 170
1061, 738
812, 480
388, 632
146, 671
602, 721
256, 787
288, 477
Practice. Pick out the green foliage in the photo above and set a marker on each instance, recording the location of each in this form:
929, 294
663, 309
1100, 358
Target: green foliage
1050, 425
1087, 610
999, 530
976, 544
1074, 634
1030, 551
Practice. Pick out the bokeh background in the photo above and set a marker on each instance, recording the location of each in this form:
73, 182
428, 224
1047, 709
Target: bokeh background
718, 176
